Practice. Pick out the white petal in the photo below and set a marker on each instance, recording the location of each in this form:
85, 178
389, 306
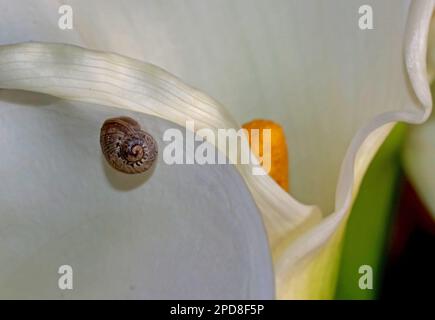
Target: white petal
124, 236
315, 254
305, 64
33, 21
296, 62
419, 150
74, 73
431, 51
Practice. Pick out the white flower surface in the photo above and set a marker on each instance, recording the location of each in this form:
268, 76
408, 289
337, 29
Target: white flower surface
336, 89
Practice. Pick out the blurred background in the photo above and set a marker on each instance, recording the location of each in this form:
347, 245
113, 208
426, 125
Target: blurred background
389, 229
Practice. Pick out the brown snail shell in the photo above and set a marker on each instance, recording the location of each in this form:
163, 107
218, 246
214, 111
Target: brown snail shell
126, 147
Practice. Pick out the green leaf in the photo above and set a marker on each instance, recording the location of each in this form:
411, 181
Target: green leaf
370, 220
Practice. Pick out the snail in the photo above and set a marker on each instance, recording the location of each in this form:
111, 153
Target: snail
126, 147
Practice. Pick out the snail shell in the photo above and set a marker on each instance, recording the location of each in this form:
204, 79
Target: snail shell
126, 147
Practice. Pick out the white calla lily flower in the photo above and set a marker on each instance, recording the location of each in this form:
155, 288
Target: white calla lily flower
336, 89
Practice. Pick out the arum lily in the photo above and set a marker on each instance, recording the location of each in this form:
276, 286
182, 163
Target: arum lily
337, 91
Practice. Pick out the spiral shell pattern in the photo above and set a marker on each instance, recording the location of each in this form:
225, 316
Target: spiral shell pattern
126, 147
